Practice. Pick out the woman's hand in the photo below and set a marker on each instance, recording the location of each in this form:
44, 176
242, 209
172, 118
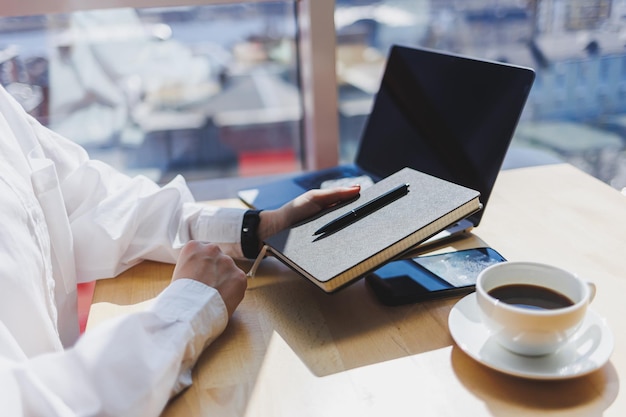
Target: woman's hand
302, 207
205, 262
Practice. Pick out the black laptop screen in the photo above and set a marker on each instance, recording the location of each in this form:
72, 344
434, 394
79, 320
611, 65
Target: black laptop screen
447, 115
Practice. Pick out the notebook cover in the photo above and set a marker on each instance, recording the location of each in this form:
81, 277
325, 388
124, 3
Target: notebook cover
333, 260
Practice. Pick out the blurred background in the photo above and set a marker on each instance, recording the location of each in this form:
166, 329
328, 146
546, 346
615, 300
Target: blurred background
214, 90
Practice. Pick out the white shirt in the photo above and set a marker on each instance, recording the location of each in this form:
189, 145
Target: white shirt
66, 219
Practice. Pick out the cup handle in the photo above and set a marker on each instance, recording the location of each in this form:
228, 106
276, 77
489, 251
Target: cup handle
592, 291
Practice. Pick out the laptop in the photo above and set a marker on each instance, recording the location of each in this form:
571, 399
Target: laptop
448, 115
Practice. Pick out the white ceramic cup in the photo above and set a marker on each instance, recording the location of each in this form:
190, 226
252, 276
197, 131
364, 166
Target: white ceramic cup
532, 331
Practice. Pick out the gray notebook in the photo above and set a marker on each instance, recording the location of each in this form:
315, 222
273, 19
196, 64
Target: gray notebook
333, 260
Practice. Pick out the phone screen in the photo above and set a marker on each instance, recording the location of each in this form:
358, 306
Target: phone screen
431, 276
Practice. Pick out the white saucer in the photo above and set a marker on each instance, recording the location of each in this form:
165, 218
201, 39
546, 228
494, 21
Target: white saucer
589, 350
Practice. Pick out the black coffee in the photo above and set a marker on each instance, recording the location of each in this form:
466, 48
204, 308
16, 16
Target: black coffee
530, 296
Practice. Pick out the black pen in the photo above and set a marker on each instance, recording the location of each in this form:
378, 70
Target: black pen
363, 210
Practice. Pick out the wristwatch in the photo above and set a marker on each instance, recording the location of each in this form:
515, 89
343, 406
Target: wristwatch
250, 245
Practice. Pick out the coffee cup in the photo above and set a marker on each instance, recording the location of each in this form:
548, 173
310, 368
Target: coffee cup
531, 308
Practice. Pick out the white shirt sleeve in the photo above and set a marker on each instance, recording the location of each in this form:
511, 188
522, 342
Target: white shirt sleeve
85, 380
110, 222
116, 221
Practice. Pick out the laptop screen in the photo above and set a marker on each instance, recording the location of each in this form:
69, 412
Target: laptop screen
447, 115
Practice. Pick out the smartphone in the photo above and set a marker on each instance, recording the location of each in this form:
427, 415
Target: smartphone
431, 276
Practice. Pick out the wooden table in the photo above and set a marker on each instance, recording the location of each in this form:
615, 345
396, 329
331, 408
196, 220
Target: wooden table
292, 350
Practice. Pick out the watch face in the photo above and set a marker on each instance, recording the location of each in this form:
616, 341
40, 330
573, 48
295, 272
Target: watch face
250, 244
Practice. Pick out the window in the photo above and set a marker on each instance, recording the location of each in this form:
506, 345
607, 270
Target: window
568, 43
208, 90
316, 64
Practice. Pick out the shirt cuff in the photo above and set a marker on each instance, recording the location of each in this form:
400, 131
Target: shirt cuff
190, 301
221, 226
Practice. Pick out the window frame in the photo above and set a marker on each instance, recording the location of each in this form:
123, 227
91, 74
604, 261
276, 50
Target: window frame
316, 46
